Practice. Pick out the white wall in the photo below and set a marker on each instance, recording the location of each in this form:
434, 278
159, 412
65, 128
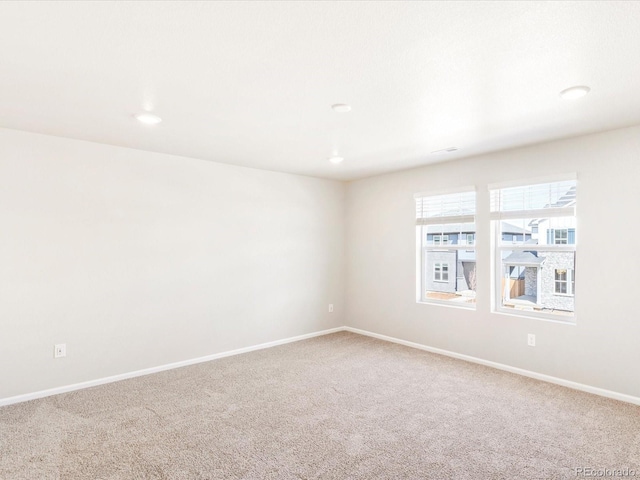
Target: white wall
136, 259
601, 350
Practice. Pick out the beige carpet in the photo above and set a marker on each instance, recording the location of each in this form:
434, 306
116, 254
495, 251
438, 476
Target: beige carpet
341, 406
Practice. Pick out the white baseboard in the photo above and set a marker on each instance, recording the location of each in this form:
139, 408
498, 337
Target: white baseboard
147, 371
520, 371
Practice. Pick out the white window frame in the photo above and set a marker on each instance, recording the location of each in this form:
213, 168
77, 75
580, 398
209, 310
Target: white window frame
565, 238
422, 271
569, 282
499, 246
442, 239
439, 271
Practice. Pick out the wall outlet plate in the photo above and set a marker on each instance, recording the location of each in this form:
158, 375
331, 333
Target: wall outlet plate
531, 340
60, 350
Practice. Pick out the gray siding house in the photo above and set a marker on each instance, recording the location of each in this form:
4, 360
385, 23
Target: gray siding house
454, 271
534, 279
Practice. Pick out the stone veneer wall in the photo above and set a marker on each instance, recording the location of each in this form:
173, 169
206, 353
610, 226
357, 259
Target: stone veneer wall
553, 261
530, 281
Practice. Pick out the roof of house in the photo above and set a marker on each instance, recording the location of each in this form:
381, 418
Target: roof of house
510, 228
523, 258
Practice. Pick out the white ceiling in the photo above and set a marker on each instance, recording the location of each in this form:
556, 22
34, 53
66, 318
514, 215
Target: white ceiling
252, 83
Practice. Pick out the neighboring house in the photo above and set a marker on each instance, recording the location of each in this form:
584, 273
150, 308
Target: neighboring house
535, 278
543, 279
451, 271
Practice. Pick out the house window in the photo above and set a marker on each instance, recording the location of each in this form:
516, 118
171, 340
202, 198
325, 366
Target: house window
441, 272
535, 268
561, 236
446, 272
564, 282
440, 239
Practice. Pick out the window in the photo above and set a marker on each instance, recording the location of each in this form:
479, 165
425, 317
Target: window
561, 236
441, 272
564, 282
535, 248
440, 239
446, 271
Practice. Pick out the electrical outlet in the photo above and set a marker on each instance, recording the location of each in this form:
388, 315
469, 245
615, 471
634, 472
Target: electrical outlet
60, 350
531, 340
331, 308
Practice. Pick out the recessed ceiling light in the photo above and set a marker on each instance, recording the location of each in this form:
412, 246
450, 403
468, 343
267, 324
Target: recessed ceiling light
573, 93
445, 150
336, 160
341, 108
148, 118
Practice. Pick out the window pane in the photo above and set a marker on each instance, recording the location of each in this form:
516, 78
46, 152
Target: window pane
561, 287
446, 241
537, 280
531, 223
561, 236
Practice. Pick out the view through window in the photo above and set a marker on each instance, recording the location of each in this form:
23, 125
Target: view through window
535, 228
446, 231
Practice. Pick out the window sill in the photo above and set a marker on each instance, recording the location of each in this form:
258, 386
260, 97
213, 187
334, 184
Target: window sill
564, 295
532, 315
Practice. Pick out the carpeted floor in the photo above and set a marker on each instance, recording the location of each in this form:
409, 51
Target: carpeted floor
342, 406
